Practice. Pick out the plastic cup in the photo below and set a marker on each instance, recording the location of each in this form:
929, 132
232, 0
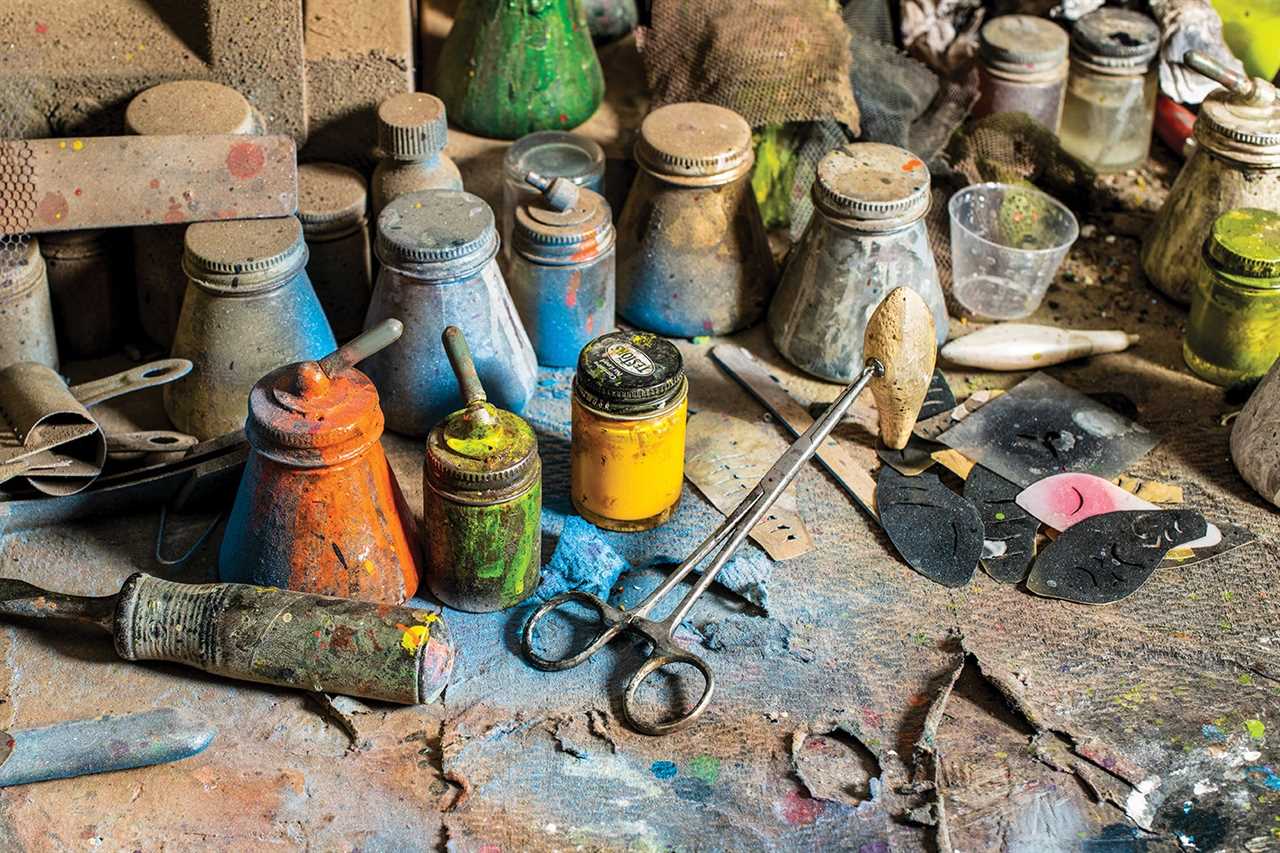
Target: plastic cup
1007, 242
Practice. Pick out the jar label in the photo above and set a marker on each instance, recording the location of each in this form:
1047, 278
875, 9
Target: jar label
630, 359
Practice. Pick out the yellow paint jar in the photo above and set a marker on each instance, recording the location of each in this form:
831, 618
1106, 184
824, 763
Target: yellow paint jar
630, 403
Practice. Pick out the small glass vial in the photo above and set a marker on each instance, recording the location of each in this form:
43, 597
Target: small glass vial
866, 238
412, 132
90, 300
1111, 94
1233, 332
26, 313
178, 107
1022, 68
552, 154
630, 404
562, 271
249, 309
693, 258
438, 249
331, 206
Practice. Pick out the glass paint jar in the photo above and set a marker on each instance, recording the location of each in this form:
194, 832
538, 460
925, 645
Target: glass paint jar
331, 207
26, 311
90, 301
562, 270
412, 133
1110, 106
1022, 68
630, 404
552, 154
438, 249
693, 257
1233, 332
867, 237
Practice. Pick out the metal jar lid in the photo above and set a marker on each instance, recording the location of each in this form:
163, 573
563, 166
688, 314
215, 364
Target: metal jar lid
412, 126
299, 416
484, 462
1022, 44
1238, 130
331, 199
556, 154
22, 269
243, 256
189, 106
629, 374
1245, 242
695, 144
577, 235
443, 234
1116, 39
878, 186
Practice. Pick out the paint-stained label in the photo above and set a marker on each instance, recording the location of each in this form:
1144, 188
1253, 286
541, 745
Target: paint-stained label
629, 359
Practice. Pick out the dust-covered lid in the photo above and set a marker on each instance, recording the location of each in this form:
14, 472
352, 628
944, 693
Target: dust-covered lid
189, 106
412, 126
330, 197
243, 255
1245, 242
481, 449
629, 373
565, 224
1241, 129
448, 232
1022, 44
872, 181
300, 416
1116, 38
694, 143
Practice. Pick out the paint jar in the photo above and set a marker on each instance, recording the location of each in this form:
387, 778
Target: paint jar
438, 249
1233, 332
1022, 68
319, 509
178, 107
1110, 106
26, 312
91, 299
867, 237
562, 271
630, 403
331, 207
693, 258
552, 154
249, 309
482, 501
1236, 163
412, 132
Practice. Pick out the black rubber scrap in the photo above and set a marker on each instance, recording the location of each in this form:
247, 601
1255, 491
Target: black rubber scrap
936, 531
1009, 531
917, 456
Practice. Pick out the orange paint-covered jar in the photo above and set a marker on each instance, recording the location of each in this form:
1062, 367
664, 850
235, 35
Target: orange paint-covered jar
630, 403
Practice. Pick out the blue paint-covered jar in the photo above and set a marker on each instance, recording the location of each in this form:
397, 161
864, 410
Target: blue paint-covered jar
693, 257
562, 270
438, 249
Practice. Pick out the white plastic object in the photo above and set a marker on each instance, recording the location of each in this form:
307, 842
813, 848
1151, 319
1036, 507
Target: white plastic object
1024, 346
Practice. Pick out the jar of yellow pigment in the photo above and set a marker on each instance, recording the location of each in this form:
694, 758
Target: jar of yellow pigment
630, 402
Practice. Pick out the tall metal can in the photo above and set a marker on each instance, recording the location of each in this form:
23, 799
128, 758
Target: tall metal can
90, 301
693, 256
331, 207
26, 312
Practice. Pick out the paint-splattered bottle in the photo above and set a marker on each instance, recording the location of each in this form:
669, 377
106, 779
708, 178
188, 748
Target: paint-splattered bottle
319, 509
552, 154
562, 271
331, 207
26, 313
630, 404
412, 133
693, 257
482, 499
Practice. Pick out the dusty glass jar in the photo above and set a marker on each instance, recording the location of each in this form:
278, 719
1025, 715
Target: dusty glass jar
552, 154
867, 237
1110, 107
438, 250
26, 312
412, 132
630, 404
90, 299
1233, 332
331, 206
693, 257
1022, 68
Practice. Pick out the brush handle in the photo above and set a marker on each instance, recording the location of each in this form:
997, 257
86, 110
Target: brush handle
286, 638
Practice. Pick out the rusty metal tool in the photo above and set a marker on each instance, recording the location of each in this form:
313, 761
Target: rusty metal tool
116, 181
100, 745
262, 634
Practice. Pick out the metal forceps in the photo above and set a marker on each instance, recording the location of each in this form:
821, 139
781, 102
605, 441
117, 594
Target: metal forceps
723, 542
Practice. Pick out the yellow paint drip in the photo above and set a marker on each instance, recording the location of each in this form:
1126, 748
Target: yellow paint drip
415, 636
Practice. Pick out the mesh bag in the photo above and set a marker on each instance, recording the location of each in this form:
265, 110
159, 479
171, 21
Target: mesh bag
17, 202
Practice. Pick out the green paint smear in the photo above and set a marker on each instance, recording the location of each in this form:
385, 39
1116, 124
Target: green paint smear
1255, 728
704, 767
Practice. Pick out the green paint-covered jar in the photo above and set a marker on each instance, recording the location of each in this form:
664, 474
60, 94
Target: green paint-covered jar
510, 67
1233, 333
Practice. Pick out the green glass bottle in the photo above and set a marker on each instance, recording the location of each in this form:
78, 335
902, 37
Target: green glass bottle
511, 67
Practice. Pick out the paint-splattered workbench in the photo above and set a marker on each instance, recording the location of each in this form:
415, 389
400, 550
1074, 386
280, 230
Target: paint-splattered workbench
860, 706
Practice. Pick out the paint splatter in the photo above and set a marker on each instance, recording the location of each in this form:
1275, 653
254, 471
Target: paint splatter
704, 767
52, 209
245, 160
663, 769
800, 810
1265, 776
154, 183
691, 790
1255, 728
415, 636
1213, 733
41, 27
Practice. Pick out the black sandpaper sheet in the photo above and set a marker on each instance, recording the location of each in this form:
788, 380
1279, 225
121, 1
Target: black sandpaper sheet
937, 532
1009, 532
917, 456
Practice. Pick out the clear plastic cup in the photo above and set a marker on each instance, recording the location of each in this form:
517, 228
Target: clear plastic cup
1007, 242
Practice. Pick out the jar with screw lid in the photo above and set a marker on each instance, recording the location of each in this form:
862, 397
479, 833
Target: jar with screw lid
866, 238
1110, 105
412, 133
551, 154
1022, 68
693, 257
26, 312
331, 207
